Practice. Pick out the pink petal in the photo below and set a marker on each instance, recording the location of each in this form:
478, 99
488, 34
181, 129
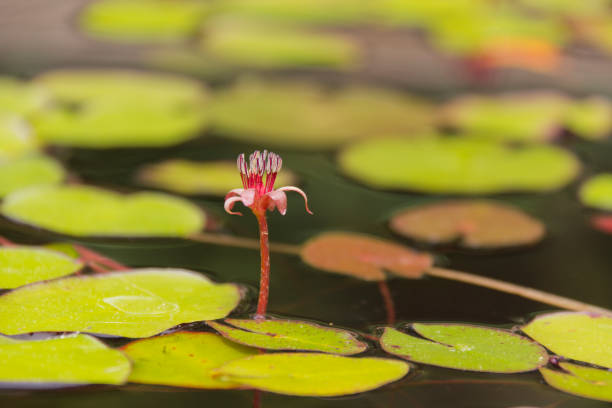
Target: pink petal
248, 196
297, 190
278, 199
233, 193
229, 204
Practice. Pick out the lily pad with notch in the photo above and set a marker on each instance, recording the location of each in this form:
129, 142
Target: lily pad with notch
583, 381
278, 334
137, 303
474, 224
363, 257
579, 336
313, 374
194, 178
183, 359
458, 165
465, 347
68, 360
81, 210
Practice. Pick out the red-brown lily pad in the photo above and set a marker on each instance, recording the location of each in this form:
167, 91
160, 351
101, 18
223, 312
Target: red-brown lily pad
474, 224
602, 223
364, 257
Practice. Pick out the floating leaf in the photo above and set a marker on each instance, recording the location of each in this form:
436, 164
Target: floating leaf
313, 374
266, 46
363, 257
465, 347
583, 381
290, 335
17, 174
192, 178
596, 192
603, 223
304, 115
21, 98
76, 359
579, 336
89, 211
143, 20
139, 303
183, 359
16, 137
475, 224
458, 165
22, 265
114, 108
590, 118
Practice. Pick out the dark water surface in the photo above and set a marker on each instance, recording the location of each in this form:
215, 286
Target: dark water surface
574, 260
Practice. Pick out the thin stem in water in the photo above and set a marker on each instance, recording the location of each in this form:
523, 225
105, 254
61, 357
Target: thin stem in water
388, 300
264, 250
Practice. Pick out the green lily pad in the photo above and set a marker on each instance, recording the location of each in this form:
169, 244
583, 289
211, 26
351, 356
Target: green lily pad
75, 359
590, 118
265, 46
458, 165
89, 211
114, 108
313, 374
363, 257
17, 174
139, 303
290, 335
304, 115
474, 224
22, 265
579, 336
16, 138
144, 20
596, 192
183, 359
193, 178
465, 347
582, 381
21, 98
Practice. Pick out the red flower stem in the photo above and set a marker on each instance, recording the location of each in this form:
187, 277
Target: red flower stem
264, 248
6, 242
256, 399
388, 300
90, 256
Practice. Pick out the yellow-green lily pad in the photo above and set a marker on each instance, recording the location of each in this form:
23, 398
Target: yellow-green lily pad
579, 336
313, 374
30, 171
290, 335
265, 46
465, 347
582, 381
590, 118
88, 211
458, 165
16, 138
144, 20
596, 192
193, 178
115, 108
20, 265
21, 98
72, 360
304, 115
138, 303
183, 359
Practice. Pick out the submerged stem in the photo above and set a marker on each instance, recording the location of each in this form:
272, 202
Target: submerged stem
385, 293
264, 250
528, 293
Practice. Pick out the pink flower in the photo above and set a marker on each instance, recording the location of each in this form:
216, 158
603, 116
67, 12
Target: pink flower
258, 182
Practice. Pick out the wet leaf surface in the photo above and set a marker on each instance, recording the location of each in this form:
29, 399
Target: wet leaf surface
596, 192
193, 178
30, 171
74, 359
138, 303
313, 374
183, 359
458, 165
579, 336
143, 20
89, 211
305, 115
474, 224
120, 108
363, 257
582, 381
465, 347
266, 46
22, 265
290, 335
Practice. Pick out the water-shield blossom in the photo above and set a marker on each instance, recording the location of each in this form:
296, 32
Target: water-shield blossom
258, 176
